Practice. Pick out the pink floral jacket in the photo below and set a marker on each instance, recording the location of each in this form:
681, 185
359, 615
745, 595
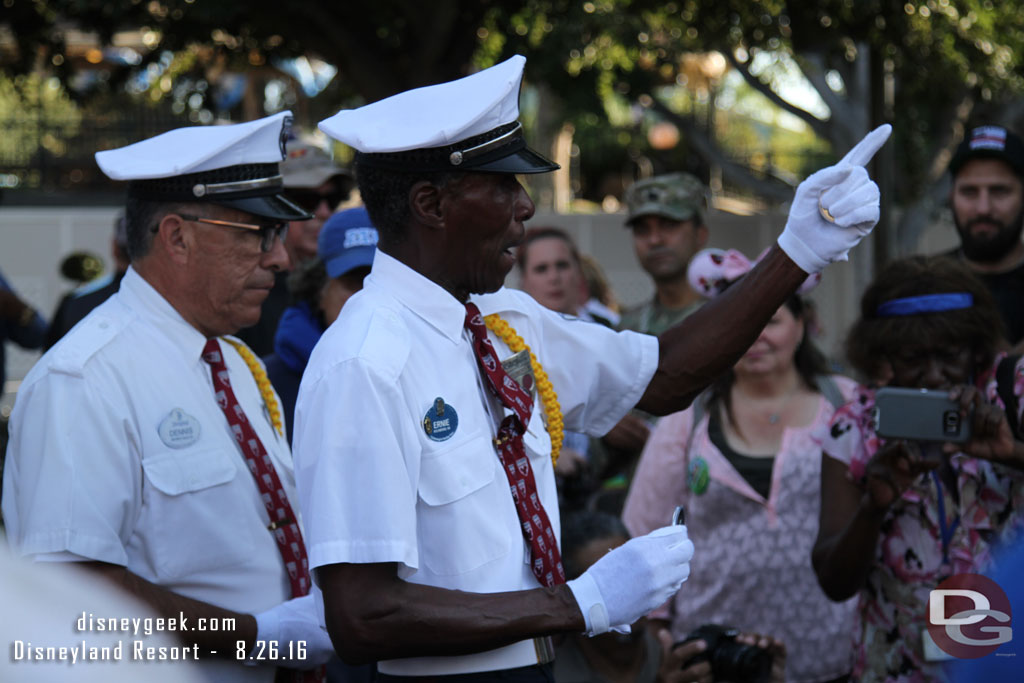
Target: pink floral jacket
909, 559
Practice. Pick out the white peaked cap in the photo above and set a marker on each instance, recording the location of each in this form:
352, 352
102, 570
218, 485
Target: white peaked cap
480, 110
199, 148
236, 165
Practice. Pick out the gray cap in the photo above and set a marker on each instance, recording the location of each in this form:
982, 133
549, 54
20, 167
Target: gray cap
308, 165
679, 196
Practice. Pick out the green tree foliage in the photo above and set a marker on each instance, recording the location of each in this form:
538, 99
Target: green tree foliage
613, 68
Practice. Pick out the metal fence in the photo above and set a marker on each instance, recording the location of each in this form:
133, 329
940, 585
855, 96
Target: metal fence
41, 154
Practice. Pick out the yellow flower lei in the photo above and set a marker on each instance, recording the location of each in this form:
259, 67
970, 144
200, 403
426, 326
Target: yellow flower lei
548, 397
260, 375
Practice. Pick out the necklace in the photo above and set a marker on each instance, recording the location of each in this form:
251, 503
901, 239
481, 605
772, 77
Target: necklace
548, 397
262, 381
776, 411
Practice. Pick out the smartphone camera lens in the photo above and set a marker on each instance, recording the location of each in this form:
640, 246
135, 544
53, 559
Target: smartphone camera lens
951, 423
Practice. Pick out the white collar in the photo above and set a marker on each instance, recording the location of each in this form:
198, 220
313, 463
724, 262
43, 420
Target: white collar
141, 297
422, 296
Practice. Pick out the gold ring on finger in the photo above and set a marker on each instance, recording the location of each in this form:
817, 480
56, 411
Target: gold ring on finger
825, 213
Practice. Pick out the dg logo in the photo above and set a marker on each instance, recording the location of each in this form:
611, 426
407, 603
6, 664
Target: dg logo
969, 616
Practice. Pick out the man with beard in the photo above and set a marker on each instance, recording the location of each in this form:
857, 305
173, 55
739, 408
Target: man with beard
987, 200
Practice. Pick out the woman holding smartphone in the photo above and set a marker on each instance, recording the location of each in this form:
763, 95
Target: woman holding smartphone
744, 461
899, 517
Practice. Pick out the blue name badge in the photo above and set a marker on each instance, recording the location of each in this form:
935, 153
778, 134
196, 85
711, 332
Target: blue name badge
441, 421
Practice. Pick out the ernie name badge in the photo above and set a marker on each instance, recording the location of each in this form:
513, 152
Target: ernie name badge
441, 421
518, 367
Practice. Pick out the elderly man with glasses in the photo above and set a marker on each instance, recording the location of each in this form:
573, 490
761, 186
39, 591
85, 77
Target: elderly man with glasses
147, 444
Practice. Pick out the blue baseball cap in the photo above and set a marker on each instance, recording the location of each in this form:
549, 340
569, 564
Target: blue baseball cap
347, 240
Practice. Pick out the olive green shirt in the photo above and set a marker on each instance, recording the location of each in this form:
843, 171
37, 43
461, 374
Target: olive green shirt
653, 318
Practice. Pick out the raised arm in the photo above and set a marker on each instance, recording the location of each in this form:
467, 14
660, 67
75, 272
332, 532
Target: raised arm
832, 211
710, 341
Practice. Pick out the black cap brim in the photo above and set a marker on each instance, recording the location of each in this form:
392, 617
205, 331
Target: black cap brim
524, 160
273, 206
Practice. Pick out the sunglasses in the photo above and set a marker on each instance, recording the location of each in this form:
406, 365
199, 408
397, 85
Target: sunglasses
268, 231
310, 199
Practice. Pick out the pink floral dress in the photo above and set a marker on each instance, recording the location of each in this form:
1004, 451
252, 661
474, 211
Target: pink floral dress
910, 560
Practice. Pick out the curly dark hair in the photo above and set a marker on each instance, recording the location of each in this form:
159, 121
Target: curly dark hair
872, 338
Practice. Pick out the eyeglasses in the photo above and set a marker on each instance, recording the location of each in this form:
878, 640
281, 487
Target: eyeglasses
310, 199
268, 231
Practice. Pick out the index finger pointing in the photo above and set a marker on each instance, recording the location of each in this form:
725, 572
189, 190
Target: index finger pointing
864, 150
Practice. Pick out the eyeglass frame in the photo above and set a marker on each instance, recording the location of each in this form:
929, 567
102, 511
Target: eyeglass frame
268, 232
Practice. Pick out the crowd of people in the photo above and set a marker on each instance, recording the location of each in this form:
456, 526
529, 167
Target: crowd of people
319, 419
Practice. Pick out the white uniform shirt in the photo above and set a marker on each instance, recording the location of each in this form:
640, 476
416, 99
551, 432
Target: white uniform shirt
96, 471
375, 487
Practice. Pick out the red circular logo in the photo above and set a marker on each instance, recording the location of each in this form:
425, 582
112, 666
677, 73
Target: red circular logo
969, 616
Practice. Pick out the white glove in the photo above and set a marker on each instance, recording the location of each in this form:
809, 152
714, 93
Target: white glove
293, 620
633, 579
847, 193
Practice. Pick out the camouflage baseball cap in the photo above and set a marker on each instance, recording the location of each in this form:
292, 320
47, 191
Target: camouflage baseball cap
679, 196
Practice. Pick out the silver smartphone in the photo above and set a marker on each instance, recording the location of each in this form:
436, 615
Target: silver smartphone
919, 415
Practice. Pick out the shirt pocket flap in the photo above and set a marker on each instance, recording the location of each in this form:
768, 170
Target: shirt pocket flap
180, 472
453, 474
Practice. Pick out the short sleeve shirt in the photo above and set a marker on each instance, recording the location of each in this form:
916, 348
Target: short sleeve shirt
119, 453
375, 487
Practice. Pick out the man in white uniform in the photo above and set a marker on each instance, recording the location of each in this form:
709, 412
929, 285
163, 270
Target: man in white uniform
424, 465
141, 444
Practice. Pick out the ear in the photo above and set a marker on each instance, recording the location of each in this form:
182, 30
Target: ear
176, 237
425, 203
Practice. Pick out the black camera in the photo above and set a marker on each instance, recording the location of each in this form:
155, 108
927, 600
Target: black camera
730, 661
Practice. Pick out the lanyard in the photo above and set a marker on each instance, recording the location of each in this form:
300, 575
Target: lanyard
944, 531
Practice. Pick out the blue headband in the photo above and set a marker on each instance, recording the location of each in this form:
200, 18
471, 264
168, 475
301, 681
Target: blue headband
925, 303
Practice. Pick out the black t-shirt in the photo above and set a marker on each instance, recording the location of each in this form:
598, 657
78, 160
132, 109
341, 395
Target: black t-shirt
1008, 291
757, 471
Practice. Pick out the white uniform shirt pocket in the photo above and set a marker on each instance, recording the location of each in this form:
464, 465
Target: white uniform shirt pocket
189, 505
459, 529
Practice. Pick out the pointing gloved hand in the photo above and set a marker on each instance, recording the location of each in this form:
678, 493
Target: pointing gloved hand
295, 620
633, 579
834, 208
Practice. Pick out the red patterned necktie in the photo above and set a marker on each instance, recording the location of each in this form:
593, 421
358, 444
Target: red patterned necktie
283, 522
545, 560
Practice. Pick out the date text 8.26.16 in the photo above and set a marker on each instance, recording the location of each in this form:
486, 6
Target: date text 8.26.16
271, 651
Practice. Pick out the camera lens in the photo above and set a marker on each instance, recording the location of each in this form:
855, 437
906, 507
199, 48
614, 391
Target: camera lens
951, 423
741, 663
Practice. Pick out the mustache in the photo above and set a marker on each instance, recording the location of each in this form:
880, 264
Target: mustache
991, 220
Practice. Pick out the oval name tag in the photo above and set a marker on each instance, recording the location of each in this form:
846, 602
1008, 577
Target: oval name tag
441, 421
179, 429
